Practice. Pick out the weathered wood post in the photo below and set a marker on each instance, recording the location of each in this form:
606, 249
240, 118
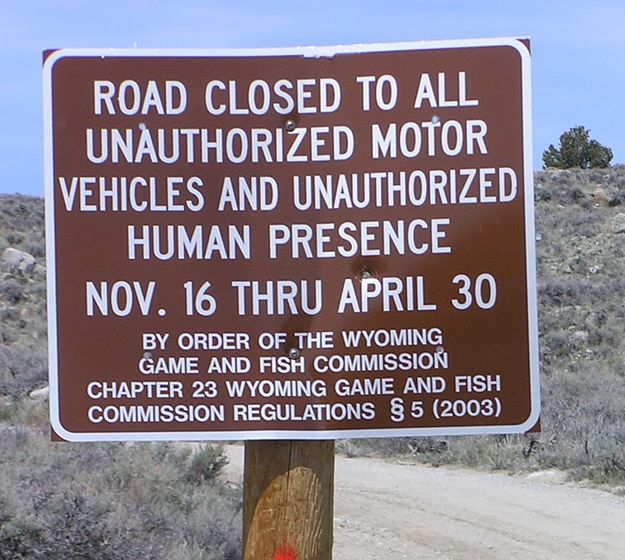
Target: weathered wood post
288, 503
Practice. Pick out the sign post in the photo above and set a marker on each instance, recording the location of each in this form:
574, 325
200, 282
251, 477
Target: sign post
291, 244
288, 502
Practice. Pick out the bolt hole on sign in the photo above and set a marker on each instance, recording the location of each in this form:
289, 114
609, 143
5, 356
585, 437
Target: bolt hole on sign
306, 243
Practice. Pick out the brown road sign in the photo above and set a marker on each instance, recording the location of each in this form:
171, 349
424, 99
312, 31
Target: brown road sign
297, 243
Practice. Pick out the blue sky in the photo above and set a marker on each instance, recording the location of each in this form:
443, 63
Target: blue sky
578, 51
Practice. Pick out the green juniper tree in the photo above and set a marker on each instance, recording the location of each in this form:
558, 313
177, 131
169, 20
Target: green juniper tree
577, 150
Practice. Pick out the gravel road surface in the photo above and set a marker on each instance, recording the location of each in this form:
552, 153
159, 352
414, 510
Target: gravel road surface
395, 511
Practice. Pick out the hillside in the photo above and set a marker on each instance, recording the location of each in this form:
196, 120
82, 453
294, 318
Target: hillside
580, 223
580, 231
46, 489
22, 295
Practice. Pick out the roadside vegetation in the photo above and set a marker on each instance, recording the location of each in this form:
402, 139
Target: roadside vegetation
114, 500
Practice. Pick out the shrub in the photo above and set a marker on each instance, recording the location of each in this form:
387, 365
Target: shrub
206, 463
111, 501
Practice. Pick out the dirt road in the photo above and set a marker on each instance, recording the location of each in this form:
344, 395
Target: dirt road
390, 511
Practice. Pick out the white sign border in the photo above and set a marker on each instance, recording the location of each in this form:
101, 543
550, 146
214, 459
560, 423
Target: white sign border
307, 52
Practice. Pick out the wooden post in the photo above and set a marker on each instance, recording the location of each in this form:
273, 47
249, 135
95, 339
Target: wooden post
288, 501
